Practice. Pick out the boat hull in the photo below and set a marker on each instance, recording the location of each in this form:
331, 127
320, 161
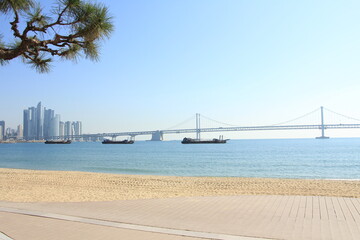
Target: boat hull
118, 142
197, 141
202, 142
58, 142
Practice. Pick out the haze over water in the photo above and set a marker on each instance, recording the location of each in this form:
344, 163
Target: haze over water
271, 158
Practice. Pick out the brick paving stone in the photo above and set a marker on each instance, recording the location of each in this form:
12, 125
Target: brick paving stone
275, 217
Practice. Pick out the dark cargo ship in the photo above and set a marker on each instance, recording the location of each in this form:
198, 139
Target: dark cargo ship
108, 141
57, 141
198, 141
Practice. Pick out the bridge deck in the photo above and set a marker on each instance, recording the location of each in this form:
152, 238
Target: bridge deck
224, 129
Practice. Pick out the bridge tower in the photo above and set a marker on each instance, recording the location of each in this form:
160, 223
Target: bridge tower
132, 137
157, 136
198, 126
322, 125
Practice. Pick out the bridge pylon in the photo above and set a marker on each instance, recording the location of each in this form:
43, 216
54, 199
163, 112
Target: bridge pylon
157, 136
322, 125
198, 126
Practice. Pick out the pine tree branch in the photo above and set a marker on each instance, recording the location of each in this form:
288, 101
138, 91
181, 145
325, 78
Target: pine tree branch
78, 28
14, 25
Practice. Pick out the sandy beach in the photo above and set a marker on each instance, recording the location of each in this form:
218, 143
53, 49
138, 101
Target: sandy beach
62, 186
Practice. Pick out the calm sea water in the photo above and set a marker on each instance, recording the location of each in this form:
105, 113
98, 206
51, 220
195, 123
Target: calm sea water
280, 158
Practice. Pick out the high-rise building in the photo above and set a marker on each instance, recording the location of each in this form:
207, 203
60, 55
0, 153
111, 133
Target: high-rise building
68, 130
51, 124
61, 129
77, 128
2, 130
39, 121
26, 124
20, 132
30, 123
54, 126
48, 116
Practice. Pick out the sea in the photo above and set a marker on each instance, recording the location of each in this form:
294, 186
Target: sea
337, 158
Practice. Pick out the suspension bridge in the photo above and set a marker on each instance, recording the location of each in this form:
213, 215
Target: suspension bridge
319, 123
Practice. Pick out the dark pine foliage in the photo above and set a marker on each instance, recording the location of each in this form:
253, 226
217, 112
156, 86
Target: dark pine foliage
73, 28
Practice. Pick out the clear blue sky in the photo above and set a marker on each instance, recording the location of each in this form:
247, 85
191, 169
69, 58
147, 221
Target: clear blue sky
241, 62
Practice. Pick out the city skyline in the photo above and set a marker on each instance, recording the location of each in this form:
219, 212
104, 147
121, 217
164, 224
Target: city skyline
40, 123
241, 62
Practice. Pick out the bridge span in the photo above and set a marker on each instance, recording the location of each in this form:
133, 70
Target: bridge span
158, 135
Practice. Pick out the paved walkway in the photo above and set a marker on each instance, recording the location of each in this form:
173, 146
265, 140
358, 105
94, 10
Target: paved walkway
237, 217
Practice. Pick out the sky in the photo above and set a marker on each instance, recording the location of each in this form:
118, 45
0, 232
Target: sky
245, 63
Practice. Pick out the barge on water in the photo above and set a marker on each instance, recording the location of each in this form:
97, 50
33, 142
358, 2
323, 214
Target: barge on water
199, 141
57, 141
108, 141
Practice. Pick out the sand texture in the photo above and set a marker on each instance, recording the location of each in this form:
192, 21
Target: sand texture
60, 186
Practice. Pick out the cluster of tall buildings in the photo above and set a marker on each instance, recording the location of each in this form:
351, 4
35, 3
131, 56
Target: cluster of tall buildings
9, 133
41, 123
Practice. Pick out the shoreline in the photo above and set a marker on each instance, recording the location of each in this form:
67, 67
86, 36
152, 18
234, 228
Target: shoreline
19, 185
151, 175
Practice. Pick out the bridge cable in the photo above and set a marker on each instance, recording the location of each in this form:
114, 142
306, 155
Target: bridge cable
219, 121
183, 122
281, 123
305, 115
302, 116
352, 118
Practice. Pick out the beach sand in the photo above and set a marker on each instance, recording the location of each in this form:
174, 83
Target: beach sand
62, 186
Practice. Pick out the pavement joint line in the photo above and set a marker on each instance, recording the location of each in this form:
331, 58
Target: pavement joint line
3, 236
106, 223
